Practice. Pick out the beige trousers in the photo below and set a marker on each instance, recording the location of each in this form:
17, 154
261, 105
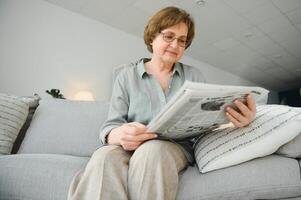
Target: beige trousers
149, 173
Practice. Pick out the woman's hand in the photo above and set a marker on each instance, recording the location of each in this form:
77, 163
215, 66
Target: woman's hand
130, 135
245, 116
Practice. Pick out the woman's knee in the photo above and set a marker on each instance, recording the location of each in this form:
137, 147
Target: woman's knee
157, 150
107, 154
157, 154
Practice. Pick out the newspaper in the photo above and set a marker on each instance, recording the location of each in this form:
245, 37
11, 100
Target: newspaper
199, 107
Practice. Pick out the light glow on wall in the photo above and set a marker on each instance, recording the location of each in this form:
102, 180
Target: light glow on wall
84, 96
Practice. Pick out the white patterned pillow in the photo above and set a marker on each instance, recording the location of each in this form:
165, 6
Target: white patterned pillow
13, 114
273, 126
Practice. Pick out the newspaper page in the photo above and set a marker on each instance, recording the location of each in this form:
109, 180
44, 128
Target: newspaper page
199, 107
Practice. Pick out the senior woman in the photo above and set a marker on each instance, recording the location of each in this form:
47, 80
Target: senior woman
134, 164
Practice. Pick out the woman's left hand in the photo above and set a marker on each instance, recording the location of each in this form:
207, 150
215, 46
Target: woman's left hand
245, 115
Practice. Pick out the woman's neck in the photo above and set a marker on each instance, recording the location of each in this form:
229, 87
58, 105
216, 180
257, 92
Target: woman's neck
155, 66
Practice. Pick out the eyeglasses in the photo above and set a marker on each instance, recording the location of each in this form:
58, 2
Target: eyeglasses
169, 37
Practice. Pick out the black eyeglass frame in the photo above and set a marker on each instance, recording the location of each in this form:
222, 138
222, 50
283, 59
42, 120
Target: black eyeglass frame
182, 43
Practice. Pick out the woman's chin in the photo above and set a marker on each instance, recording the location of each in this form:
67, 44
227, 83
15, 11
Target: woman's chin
169, 59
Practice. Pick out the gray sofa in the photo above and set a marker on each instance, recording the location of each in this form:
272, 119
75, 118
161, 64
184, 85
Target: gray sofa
63, 135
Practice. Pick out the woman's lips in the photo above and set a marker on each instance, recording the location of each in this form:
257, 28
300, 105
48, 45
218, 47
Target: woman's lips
171, 52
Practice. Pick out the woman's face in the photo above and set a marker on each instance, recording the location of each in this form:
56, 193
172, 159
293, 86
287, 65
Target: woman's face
169, 45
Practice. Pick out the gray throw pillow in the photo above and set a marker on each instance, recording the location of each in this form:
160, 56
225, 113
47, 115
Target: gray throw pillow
13, 114
33, 102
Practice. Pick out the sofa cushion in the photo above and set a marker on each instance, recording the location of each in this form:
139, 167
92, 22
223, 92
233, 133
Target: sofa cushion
273, 126
291, 149
38, 176
270, 177
48, 176
13, 114
65, 127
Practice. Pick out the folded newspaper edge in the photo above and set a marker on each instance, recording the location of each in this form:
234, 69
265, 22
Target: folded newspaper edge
199, 107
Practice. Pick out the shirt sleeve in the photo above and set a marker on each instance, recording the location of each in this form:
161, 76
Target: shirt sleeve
193, 74
119, 105
198, 76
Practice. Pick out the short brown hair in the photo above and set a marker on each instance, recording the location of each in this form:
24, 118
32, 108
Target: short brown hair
165, 18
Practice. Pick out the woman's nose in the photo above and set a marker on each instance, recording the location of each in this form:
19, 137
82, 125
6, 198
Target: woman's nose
174, 43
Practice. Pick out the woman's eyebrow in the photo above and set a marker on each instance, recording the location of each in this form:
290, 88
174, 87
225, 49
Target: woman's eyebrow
174, 33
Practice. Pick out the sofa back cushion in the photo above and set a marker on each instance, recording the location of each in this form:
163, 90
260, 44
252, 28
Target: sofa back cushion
65, 127
291, 149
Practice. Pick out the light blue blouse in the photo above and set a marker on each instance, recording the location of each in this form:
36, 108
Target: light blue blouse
137, 96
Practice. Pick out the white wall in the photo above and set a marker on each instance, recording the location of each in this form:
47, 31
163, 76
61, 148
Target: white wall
43, 46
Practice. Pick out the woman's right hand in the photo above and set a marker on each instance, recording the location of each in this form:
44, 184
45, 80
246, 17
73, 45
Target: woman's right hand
130, 135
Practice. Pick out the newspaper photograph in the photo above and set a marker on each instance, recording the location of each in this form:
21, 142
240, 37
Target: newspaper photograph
200, 107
